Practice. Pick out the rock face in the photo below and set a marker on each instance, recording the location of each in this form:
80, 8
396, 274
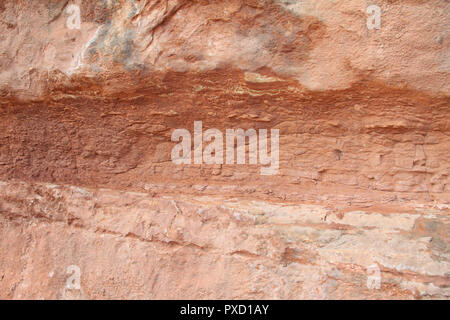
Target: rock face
92, 207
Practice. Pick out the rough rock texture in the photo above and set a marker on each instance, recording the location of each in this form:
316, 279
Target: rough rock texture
86, 179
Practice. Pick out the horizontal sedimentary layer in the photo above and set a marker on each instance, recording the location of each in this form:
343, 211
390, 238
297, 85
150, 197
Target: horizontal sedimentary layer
366, 143
135, 245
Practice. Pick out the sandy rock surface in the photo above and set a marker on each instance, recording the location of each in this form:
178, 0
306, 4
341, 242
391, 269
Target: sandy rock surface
93, 207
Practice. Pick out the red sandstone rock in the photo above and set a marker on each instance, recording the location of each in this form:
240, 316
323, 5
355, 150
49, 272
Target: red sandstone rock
86, 178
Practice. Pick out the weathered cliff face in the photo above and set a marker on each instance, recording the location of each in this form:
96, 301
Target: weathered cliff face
358, 208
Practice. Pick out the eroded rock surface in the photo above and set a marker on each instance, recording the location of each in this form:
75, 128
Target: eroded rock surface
86, 177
